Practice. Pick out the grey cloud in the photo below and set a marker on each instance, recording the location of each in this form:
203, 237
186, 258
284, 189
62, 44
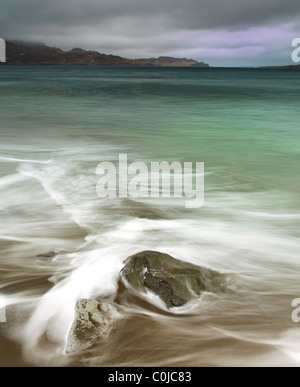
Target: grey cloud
237, 13
23, 15
136, 28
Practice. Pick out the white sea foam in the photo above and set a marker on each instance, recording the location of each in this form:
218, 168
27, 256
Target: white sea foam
15, 160
265, 262
41, 203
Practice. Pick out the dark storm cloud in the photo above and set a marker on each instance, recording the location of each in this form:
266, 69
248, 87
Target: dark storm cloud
189, 14
144, 27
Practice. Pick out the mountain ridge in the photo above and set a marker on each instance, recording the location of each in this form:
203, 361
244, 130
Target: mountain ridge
24, 53
296, 67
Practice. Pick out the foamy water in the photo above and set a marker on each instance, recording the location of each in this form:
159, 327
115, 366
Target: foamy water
248, 228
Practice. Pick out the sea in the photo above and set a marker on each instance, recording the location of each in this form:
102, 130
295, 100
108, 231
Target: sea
57, 124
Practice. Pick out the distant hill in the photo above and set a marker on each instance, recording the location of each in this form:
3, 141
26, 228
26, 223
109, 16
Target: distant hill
296, 67
19, 53
174, 62
23, 53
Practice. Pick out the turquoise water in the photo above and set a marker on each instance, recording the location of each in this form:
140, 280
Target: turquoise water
58, 123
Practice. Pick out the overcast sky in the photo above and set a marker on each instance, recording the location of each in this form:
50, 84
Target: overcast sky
220, 32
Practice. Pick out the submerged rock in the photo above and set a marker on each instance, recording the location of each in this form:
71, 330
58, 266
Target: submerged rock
92, 322
46, 257
174, 281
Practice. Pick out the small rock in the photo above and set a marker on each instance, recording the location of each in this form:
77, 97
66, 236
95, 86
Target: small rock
174, 281
47, 257
92, 322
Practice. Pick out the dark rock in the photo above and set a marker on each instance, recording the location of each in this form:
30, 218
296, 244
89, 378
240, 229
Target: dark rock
128, 207
93, 322
174, 281
47, 256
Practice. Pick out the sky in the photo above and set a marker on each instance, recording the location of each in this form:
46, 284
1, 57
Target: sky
219, 32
